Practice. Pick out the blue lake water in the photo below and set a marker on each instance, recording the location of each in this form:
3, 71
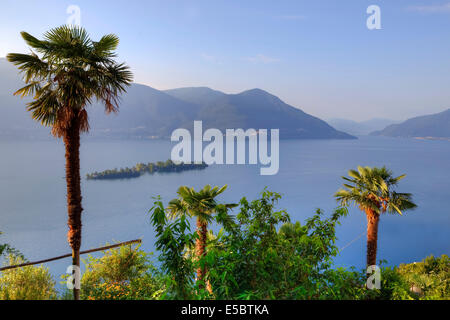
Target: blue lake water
33, 207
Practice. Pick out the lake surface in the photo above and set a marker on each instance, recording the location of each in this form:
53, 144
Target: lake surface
33, 206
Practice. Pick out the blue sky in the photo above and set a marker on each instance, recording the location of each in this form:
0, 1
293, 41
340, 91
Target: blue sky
315, 55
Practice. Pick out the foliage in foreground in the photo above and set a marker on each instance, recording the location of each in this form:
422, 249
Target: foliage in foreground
251, 257
428, 279
125, 273
252, 260
259, 254
27, 283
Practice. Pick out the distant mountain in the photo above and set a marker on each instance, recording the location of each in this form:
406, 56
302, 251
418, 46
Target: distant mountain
144, 113
429, 126
147, 113
360, 128
198, 95
14, 120
256, 109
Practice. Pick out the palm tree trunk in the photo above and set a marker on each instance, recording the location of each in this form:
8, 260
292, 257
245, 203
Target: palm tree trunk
372, 236
200, 248
73, 181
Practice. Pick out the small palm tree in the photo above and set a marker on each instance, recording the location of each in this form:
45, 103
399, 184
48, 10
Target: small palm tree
371, 189
64, 73
202, 205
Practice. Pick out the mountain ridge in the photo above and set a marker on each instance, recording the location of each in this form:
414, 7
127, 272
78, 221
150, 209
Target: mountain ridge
148, 113
427, 126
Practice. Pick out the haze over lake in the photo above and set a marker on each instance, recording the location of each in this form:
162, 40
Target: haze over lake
33, 209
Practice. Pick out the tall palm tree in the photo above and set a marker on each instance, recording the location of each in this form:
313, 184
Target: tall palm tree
201, 205
371, 189
65, 72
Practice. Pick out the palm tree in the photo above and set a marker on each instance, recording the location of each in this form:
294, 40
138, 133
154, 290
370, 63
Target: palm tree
202, 205
65, 72
371, 190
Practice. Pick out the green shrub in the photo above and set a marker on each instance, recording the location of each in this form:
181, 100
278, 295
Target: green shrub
174, 238
428, 279
125, 273
26, 283
264, 256
343, 284
260, 254
393, 286
257, 255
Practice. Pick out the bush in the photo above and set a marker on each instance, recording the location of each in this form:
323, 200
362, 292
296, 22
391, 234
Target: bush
344, 284
257, 255
174, 238
125, 273
27, 283
428, 279
393, 287
264, 256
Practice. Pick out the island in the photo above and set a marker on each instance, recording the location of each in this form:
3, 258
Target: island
141, 168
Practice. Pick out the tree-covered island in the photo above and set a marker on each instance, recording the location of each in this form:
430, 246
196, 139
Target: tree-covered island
142, 168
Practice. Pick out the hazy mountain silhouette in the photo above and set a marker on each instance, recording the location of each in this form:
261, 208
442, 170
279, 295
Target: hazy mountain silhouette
256, 109
198, 95
149, 113
432, 126
360, 128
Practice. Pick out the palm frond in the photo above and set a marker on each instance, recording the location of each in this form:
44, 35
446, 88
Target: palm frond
106, 45
70, 72
372, 189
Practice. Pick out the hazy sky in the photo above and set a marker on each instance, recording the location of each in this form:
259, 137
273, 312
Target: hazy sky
316, 55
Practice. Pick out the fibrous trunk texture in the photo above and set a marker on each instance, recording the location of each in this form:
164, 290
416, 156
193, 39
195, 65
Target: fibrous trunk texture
73, 181
372, 236
200, 250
